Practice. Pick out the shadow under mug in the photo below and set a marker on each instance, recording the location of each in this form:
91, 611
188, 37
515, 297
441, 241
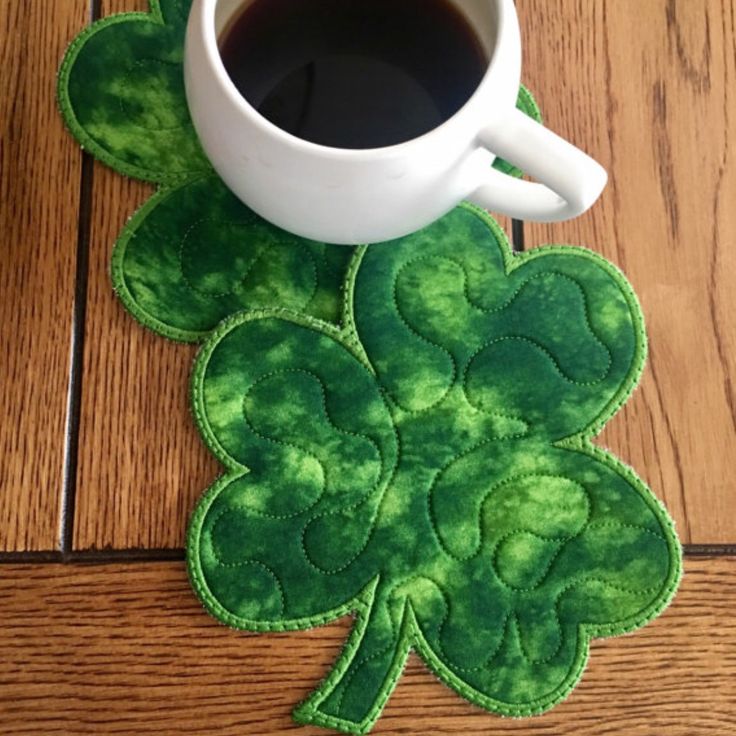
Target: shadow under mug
372, 195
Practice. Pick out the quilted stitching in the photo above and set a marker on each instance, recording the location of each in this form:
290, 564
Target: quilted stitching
425, 464
121, 94
439, 481
194, 254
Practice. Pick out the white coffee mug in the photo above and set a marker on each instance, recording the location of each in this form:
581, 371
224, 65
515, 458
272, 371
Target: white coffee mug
352, 196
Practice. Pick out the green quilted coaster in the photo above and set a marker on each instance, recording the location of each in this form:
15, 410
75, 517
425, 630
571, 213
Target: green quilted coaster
429, 468
193, 254
406, 427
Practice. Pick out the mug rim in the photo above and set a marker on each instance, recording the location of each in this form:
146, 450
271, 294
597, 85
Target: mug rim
505, 15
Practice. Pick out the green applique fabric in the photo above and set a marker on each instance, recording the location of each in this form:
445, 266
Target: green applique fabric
429, 467
193, 254
406, 428
121, 92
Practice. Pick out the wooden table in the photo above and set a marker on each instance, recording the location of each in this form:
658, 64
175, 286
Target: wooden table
100, 463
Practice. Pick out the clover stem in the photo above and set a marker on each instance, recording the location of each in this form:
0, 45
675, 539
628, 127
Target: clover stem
354, 693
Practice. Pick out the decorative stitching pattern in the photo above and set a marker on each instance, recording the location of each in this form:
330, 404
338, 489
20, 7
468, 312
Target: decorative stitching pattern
609, 488
150, 271
74, 58
260, 565
182, 266
443, 621
258, 254
406, 447
537, 346
445, 352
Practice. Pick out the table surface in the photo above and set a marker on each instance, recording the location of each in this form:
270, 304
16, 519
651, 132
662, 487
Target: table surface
100, 463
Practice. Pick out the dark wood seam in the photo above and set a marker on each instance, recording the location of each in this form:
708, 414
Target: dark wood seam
517, 235
111, 556
76, 365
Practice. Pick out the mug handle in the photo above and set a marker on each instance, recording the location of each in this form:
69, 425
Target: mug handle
570, 181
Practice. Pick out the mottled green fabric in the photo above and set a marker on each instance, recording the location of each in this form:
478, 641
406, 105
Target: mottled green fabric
121, 92
428, 466
193, 254
406, 428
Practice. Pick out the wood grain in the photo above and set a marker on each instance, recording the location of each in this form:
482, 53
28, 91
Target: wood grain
649, 88
40, 170
126, 649
141, 462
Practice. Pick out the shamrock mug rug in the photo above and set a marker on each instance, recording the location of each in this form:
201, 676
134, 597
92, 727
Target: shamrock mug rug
406, 428
193, 244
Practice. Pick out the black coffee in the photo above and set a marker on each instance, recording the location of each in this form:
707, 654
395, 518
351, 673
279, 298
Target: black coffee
354, 73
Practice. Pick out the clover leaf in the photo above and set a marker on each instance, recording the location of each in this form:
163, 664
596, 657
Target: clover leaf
428, 466
194, 254
121, 92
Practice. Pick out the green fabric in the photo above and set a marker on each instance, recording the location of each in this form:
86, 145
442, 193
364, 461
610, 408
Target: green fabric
195, 254
121, 92
180, 265
406, 428
429, 467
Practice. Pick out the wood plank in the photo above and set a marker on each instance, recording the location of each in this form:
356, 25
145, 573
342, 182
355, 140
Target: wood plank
126, 649
649, 88
141, 462
40, 170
